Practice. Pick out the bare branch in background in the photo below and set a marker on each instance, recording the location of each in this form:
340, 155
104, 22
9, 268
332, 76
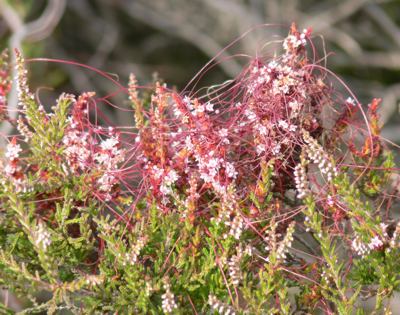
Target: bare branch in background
388, 60
344, 40
32, 31
199, 39
10, 16
45, 24
380, 17
390, 106
334, 13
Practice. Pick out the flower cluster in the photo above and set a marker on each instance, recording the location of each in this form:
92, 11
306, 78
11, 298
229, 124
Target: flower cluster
167, 181
236, 226
286, 243
94, 280
220, 307
277, 244
301, 180
360, 247
108, 158
132, 256
296, 40
326, 276
317, 155
13, 150
42, 236
84, 153
168, 300
12, 168
25, 97
23, 129
186, 136
77, 149
377, 242
234, 266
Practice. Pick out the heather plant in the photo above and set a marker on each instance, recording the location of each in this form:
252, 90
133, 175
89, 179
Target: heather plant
273, 193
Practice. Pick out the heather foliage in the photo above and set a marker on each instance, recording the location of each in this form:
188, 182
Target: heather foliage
272, 193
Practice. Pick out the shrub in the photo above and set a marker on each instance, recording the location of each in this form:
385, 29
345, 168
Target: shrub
272, 193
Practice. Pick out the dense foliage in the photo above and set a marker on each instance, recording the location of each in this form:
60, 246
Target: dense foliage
271, 193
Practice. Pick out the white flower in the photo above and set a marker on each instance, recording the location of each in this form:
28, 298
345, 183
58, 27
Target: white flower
168, 300
42, 236
301, 180
177, 111
77, 149
10, 169
188, 102
219, 307
223, 132
93, 280
260, 148
230, 170
234, 267
109, 144
272, 64
13, 151
286, 243
262, 130
236, 227
384, 227
171, 177
283, 124
188, 143
157, 172
317, 155
359, 247
213, 166
276, 149
330, 201
293, 42
250, 115
350, 101
132, 256
209, 106
375, 243
106, 182
219, 188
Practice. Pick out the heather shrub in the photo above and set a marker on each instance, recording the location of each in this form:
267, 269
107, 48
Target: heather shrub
272, 193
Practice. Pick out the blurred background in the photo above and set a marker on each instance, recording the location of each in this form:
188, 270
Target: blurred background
174, 39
